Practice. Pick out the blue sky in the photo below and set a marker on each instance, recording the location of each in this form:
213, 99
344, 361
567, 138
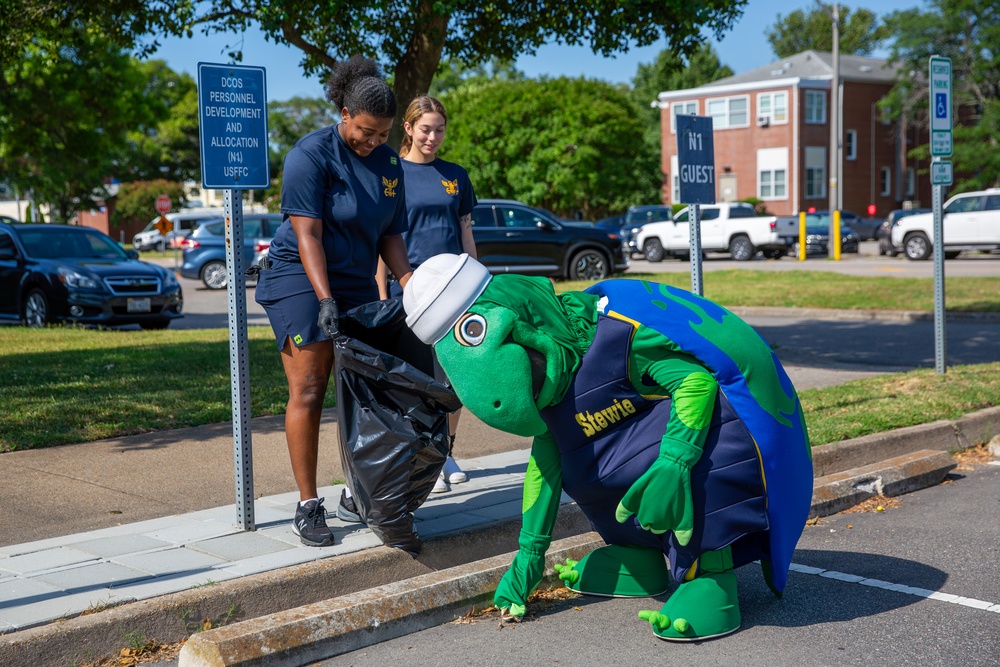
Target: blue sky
743, 48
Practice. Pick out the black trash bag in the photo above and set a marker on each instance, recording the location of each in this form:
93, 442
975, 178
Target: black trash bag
393, 419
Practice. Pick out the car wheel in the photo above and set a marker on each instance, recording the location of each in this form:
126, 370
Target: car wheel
36, 309
776, 253
917, 246
741, 249
883, 247
653, 250
214, 275
952, 254
154, 325
589, 265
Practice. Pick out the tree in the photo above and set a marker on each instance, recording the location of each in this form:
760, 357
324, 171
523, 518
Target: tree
860, 32
136, 201
167, 146
567, 145
671, 71
64, 114
453, 73
966, 32
287, 122
411, 38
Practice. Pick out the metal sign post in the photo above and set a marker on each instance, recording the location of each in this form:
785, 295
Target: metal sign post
941, 146
696, 162
232, 103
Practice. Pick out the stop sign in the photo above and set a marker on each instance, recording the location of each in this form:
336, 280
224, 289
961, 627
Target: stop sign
163, 204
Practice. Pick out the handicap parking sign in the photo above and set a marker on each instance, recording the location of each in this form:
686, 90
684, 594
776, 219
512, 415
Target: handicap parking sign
940, 105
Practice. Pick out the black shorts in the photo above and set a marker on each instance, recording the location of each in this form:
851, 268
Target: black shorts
291, 305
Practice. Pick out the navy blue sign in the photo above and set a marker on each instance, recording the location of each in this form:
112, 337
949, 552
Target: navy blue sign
696, 159
232, 108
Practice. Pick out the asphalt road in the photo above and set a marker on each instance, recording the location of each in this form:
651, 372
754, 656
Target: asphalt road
944, 538
867, 347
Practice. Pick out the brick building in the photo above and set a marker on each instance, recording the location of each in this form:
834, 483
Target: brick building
772, 136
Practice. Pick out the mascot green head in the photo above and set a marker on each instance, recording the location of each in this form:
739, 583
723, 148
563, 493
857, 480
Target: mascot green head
508, 344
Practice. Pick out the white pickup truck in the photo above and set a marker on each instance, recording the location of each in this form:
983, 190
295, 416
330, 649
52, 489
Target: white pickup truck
725, 227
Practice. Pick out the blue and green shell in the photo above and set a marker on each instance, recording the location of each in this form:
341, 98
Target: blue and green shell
756, 386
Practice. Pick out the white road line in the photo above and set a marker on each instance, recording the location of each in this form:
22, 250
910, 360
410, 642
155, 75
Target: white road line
899, 588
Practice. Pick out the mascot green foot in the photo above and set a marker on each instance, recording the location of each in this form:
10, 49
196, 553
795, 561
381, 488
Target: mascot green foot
705, 607
617, 571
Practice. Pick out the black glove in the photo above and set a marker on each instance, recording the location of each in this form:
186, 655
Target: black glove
329, 318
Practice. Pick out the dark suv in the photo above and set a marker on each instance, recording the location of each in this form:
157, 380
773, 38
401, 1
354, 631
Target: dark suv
512, 237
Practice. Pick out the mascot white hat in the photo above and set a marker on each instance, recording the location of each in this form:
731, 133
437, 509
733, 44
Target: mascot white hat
439, 291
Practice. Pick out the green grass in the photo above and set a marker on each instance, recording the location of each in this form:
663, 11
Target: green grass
887, 402
64, 385
825, 289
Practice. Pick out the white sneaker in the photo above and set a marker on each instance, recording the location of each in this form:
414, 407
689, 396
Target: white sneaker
440, 486
453, 473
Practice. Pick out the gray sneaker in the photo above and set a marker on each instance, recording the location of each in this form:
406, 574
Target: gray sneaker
347, 510
310, 524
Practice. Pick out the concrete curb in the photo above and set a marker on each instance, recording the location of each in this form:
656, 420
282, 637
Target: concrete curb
866, 315
893, 477
332, 627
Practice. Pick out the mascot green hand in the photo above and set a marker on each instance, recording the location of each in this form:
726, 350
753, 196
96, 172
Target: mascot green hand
659, 412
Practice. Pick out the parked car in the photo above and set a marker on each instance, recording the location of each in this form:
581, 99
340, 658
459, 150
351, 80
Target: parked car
635, 218
818, 237
204, 250
971, 222
615, 222
512, 237
150, 237
884, 232
731, 227
864, 227
9, 220
62, 273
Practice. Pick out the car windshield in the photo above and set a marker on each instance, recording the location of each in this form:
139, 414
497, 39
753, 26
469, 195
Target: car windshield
69, 244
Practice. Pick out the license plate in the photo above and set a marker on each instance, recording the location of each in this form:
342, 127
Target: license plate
138, 305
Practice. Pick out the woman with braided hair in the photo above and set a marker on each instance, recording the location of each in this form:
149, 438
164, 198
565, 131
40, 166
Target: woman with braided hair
344, 207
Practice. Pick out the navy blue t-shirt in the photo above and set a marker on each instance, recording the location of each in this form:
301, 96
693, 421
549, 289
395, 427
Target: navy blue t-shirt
359, 200
437, 195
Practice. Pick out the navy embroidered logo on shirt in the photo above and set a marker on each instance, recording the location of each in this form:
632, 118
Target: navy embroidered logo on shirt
451, 187
390, 186
392, 159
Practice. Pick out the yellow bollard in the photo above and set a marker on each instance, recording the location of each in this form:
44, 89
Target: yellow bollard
836, 236
802, 236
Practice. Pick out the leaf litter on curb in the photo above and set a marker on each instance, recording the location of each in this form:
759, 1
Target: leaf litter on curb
540, 600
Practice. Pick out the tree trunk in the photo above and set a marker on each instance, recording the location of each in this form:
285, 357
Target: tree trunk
415, 70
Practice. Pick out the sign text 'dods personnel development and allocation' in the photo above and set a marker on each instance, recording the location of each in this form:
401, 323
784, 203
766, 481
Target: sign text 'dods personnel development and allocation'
232, 103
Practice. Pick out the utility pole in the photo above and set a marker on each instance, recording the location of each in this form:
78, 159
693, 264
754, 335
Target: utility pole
834, 129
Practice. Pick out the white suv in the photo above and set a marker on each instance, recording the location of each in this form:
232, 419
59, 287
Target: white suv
971, 222
183, 221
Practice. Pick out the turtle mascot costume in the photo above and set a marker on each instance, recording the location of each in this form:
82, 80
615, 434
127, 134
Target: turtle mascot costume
666, 418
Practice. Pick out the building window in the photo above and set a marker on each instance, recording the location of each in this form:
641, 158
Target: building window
851, 145
772, 173
815, 106
911, 181
728, 112
686, 108
773, 107
885, 180
815, 172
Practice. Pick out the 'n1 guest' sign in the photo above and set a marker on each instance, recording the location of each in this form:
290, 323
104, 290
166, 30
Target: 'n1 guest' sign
232, 105
696, 159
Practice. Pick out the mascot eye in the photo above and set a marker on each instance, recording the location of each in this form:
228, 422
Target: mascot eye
470, 330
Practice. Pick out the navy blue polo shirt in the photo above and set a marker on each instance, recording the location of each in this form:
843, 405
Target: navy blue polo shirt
438, 193
359, 200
